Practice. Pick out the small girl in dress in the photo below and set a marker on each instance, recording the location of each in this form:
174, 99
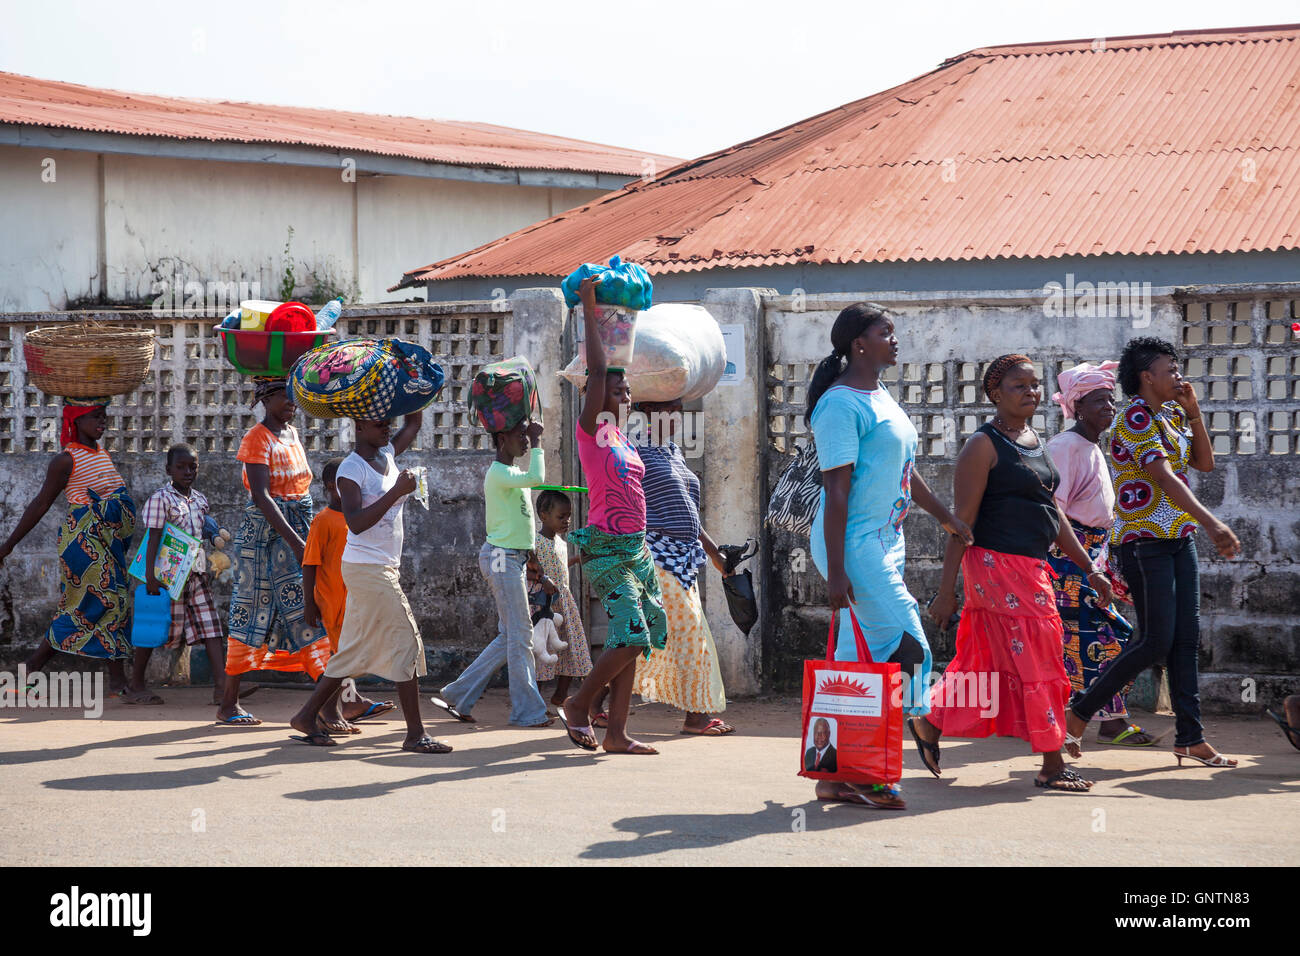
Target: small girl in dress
554, 510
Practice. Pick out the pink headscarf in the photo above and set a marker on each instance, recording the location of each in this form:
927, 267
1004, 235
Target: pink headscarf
1079, 381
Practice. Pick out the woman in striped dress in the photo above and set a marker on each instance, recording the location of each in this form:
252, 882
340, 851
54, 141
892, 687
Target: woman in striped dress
93, 618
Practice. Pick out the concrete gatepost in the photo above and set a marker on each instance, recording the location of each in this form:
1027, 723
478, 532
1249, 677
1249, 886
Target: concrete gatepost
538, 334
733, 490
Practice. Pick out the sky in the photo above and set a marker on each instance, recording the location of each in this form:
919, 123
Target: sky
681, 79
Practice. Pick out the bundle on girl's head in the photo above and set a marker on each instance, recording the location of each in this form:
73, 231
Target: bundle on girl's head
264, 388
849, 324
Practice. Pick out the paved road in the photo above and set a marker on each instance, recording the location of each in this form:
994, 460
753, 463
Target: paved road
162, 785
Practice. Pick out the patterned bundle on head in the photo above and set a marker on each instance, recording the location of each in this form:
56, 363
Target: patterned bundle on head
264, 388
998, 369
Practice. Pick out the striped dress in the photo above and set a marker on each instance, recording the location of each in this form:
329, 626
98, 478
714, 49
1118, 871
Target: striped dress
92, 470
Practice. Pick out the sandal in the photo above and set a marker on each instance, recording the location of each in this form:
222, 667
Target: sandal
1218, 760
721, 727
374, 710
581, 732
636, 748
463, 718
317, 739
600, 721
427, 745
879, 796
239, 720
1292, 733
141, 697
1073, 741
334, 729
923, 747
1064, 776
1132, 730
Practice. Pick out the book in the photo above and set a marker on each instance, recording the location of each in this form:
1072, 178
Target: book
176, 556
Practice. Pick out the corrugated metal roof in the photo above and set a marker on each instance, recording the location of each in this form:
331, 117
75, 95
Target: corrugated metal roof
1182, 142
38, 102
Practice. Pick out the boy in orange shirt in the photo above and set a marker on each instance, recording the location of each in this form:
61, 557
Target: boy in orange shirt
325, 598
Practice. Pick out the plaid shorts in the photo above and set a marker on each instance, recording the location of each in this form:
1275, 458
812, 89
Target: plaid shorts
195, 617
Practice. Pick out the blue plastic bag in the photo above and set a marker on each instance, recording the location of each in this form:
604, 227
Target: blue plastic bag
623, 284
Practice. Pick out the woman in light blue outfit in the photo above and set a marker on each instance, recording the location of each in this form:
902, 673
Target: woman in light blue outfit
866, 446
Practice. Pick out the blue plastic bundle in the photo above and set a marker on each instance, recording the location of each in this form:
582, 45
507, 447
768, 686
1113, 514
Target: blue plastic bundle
623, 284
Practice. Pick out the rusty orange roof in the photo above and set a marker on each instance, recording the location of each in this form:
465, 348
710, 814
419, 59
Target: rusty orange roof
1180, 142
25, 100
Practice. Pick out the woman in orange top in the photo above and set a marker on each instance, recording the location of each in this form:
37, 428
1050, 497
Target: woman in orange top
92, 619
267, 628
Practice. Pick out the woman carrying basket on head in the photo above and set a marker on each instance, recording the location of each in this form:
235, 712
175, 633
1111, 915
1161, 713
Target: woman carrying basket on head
267, 627
92, 619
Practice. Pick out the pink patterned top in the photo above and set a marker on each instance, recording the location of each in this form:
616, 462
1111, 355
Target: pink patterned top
614, 472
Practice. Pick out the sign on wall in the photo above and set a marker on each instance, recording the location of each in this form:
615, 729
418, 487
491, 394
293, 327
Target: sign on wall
733, 336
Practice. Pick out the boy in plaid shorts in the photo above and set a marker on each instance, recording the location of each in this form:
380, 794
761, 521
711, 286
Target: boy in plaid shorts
194, 616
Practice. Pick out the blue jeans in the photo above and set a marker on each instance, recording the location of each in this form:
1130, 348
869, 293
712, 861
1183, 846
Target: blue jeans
1164, 580
506, 572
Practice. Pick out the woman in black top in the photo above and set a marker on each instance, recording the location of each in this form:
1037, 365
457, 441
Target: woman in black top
1007, 677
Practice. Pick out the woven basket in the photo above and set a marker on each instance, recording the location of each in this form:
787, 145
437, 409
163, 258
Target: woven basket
88, 359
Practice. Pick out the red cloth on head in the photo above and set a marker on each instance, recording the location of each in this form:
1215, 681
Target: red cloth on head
71, 413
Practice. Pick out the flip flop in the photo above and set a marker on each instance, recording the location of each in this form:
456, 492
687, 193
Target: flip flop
239, 720
144, 697
1063, 775
336, 732
317, 739
865, 798
722, 726
636, 749
463, 718
1131, 730
1292, 733
374, 710
581, 731
922, 746
600, 721
427, 745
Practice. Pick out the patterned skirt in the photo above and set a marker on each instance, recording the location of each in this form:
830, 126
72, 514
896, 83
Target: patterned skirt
574, 660
1007, 678
684, 673
623, 577
1094, 635
267, 629
93, 619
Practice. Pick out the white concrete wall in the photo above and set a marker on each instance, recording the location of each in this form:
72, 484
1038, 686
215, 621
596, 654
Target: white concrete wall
229, 222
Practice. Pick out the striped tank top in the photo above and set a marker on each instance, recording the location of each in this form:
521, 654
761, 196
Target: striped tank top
91, 469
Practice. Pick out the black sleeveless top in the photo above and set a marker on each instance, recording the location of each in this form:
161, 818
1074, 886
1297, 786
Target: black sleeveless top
1018, 513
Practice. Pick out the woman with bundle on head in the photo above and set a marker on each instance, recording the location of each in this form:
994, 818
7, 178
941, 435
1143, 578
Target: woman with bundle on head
267, 627
685, 674
1007, 678
1159, 432
615, 558
866, 449
92, 619
1094, 634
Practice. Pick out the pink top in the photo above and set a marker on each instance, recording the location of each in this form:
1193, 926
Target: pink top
613, 471
1085, 492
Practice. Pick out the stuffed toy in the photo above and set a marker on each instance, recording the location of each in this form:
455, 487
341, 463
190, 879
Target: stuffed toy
546, 639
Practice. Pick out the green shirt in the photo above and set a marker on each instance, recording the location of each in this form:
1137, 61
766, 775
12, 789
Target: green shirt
509, 511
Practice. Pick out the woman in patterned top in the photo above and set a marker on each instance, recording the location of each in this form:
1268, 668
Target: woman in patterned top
268, 630
92, 618
1158, 433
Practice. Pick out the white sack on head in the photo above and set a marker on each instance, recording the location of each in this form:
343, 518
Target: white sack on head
679, 353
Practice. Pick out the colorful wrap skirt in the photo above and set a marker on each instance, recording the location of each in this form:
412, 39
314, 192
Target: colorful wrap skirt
1094, 635
685, 672
1007, 678
93, 619
574, 660
623, 577
267, 629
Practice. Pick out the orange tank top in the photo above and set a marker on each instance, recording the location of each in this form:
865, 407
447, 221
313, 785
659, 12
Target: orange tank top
93, 470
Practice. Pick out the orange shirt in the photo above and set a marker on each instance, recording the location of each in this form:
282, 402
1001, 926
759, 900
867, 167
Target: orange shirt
92, 469
326, 539
283, 454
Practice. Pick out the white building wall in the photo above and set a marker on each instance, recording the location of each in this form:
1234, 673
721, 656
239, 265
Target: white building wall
216, 222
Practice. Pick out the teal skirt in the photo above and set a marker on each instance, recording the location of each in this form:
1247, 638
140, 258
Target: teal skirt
623, 576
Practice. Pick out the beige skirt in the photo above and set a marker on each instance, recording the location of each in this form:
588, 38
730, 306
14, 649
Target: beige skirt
379, 634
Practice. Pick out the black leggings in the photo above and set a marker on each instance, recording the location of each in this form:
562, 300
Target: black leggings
909, 657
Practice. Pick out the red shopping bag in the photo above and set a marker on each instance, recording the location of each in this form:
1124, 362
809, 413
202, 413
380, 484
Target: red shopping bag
852, 717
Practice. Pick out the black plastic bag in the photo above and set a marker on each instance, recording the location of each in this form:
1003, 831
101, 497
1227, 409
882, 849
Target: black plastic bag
739, 585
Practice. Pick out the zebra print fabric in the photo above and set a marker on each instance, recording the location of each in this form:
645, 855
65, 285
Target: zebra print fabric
797, 495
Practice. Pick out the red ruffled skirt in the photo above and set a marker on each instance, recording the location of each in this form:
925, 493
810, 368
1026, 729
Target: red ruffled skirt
1007, 678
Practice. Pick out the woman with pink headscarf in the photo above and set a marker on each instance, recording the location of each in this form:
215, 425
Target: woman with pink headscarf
1094, 635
